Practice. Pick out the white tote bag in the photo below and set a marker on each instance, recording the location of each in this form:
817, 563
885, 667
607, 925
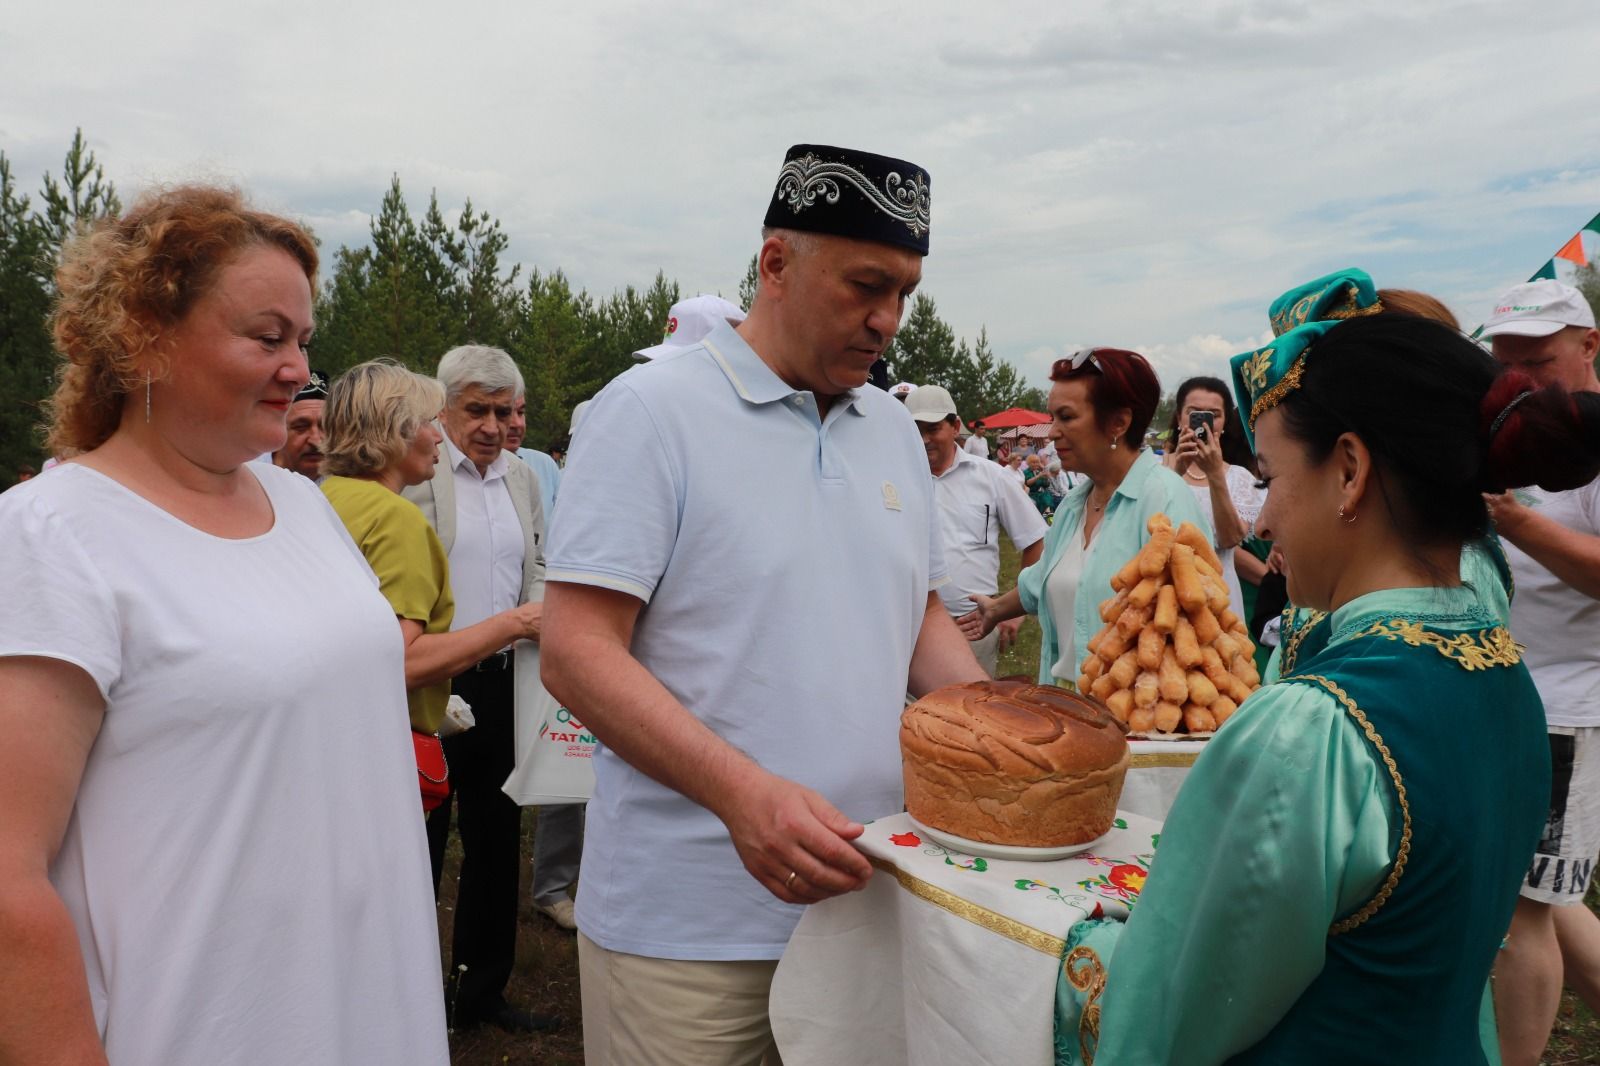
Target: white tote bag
555, 753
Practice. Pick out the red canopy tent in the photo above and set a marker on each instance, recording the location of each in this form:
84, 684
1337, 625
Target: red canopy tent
1014, 416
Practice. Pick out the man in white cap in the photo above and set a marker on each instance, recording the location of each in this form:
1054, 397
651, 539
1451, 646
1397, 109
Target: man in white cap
690, 320
1552, 541
975, 499
743, 656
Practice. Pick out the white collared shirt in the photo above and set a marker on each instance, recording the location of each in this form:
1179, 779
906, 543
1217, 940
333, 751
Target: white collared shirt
486, 558
976, 498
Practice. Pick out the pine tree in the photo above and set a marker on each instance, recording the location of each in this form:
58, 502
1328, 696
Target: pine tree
26, 357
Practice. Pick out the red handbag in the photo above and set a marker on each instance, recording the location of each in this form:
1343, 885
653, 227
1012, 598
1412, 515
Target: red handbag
433, 773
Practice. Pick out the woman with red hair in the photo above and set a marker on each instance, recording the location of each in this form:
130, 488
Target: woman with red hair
1101, 403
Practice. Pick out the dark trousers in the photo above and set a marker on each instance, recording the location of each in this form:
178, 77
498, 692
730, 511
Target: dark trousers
490, 825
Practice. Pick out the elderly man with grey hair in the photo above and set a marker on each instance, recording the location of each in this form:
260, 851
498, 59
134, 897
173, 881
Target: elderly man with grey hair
484, 504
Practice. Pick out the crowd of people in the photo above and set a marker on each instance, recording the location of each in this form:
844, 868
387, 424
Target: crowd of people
242, 578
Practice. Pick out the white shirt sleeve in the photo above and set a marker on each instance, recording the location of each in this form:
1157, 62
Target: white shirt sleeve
1021, 519
57, 604
1247, 499
610, 534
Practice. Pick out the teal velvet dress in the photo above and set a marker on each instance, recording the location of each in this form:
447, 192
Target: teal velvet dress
1342, 863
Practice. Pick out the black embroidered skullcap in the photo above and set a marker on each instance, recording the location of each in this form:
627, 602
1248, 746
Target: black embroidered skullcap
315, 388
847, 193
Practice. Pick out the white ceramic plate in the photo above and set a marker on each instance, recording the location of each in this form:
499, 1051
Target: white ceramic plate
1003, 851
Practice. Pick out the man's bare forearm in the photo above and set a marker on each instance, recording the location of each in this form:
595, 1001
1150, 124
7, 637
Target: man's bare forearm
1572, 556
586, 664
942, 656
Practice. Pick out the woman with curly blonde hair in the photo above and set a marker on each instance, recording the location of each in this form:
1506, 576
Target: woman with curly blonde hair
208, 852
380, 438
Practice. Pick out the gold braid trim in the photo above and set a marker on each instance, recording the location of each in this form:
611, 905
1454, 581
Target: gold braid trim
1471, 651
1085, 972
1009, 928
1274, 396
1404, 852
1291, 646
1351, 309
1162, 759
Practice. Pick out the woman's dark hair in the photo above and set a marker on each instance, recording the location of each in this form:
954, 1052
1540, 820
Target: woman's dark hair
1445, 423
1117, 379
1235, 449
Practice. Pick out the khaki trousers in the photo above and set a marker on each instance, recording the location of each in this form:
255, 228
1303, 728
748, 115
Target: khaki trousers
639, 1011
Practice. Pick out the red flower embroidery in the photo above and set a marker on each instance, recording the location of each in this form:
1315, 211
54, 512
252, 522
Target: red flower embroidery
905, 840
1128, 877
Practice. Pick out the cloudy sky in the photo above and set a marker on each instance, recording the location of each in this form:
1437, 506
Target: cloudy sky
1144, 175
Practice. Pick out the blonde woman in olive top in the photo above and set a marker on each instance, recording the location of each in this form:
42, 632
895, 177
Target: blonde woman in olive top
379, 438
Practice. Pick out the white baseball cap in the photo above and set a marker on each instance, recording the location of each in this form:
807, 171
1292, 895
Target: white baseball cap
1538, 309
688, 322
930, 403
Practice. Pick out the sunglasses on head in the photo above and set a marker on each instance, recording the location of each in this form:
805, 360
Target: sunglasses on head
1076, 361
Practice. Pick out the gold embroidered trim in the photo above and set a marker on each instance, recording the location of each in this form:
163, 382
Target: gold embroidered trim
1085, 972
1404, 851
1009, 928
1351, 309
1471, 651
1170, 758
1291, 645
1274, 396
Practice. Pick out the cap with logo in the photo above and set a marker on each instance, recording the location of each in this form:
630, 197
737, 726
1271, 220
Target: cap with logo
688, 322
840, 191
930, 403
1538, 309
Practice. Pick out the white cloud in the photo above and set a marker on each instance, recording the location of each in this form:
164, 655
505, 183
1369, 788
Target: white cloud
1139, 174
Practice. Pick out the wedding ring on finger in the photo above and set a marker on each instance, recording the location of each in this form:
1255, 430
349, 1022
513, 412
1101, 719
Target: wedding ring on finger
788, 883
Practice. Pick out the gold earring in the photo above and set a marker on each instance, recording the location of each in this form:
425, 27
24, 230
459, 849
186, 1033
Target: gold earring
1350, 520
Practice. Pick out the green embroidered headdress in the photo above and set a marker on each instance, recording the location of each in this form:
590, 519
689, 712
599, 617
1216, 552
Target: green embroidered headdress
1262, 378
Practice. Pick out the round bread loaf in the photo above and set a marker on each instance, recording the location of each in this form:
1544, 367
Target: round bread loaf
1009, 762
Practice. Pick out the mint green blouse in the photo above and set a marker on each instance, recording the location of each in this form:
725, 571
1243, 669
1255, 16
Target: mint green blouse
1283, 824
1148, 489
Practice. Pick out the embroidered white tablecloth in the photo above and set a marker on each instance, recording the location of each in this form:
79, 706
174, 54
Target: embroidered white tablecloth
945, 958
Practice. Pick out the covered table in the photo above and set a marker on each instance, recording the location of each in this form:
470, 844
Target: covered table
944, 957
1156, 770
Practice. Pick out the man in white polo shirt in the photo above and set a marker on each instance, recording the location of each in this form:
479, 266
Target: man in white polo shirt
1552, 541
741, 627
976, 499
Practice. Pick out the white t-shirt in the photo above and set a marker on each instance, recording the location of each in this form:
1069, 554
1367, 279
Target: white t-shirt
978, 446
975, 499
245, 862
784, 563
1558, 626
1247, 501
1061, 597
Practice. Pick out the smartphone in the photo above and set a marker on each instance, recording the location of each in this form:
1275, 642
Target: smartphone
1201, 422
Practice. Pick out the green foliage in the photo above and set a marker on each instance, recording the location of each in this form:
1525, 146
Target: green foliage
30, 240
926, 352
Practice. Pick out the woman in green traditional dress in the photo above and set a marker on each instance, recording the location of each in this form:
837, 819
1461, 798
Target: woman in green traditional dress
1342, 863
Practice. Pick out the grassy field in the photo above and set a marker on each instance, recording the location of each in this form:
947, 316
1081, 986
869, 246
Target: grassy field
546, 977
